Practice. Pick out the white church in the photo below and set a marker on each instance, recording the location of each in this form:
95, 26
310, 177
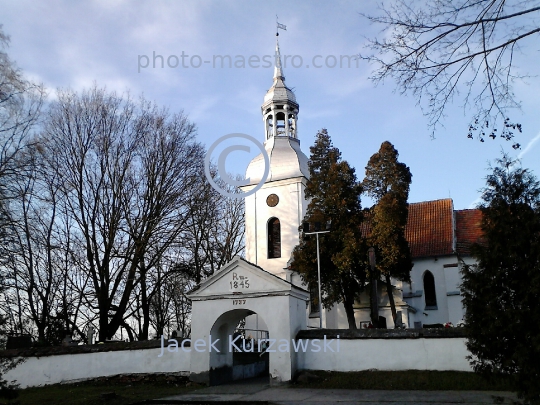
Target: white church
272, 300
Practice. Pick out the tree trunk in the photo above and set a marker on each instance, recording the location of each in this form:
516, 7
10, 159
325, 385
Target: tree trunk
389, 291
373, 296
103, 324
348, 303
129, 331
145, 305
374, 300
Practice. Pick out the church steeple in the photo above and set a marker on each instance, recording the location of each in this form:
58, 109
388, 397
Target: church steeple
280, 109
278, 70
274, 213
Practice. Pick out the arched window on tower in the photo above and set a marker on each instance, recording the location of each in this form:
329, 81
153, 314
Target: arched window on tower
280, 124
274, 238
291, 126
429, 288
269, 126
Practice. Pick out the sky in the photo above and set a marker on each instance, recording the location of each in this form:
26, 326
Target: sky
64, 43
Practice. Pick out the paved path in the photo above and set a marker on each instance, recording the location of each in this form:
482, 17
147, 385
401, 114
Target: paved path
257, 390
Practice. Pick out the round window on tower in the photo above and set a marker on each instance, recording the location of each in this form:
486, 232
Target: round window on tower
272, 200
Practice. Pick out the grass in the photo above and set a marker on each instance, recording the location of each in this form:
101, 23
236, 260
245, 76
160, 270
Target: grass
406, 380
89, 392
130, 389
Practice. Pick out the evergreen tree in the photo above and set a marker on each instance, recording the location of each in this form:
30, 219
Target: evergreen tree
387, 181
335, 196
501, 292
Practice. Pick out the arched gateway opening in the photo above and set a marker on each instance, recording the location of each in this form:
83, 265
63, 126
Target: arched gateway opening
242, 349
242, 290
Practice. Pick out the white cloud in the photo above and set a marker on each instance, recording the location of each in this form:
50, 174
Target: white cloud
72, 44
199, 109
529, 146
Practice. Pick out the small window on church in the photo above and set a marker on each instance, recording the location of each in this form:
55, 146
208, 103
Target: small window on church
274, 238
429, 288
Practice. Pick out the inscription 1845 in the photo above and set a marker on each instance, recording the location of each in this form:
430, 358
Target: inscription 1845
239, 282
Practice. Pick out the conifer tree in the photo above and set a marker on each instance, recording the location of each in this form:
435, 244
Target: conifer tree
387, 181
335, 196
501, 292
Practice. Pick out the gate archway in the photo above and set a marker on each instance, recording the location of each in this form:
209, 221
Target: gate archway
241, 350
219, 304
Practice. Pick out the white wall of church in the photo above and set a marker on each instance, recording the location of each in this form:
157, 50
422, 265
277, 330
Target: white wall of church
447, 278
290, 211
336, 317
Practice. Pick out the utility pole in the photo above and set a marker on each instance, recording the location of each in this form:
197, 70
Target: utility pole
317, 232
373, 280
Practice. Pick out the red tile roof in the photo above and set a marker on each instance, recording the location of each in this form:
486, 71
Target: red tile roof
430, 228
468, 230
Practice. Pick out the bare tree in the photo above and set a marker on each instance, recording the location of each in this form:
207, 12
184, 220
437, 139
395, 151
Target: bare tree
441, 49
105, 217
215, 232
32, 270
40, 269
8, 390
20, 105
213, 235
228, 231
124, 169
181, 304
163, 180
170, 308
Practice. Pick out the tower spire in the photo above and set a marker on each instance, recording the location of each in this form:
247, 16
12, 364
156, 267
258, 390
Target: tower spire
278, 69
279, 109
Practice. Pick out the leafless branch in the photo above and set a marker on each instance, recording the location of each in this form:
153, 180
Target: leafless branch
435, 50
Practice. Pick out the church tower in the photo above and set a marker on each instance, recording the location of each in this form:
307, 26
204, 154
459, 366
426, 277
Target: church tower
274, 213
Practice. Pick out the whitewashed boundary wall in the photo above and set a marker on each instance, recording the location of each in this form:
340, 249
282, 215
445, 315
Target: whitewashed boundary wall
416, 349
412, 349
58, 368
